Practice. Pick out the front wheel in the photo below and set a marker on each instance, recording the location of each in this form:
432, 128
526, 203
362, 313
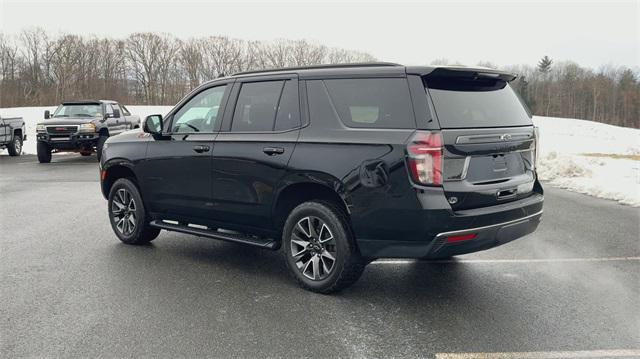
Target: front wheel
320, 250
15, 147
127, 214
44, 152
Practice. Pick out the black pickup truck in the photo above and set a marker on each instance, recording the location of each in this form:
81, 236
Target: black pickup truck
82, 126
12, 135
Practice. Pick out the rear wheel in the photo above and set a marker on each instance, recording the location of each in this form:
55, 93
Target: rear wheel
319, 247
127, 214
15, 147
44, 152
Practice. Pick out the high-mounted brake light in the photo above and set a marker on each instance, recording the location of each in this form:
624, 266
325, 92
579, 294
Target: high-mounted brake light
425, 158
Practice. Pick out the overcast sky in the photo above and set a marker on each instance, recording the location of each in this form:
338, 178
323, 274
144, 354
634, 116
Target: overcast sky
503, 32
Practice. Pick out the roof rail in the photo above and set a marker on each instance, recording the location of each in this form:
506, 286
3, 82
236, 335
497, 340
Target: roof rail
325, 66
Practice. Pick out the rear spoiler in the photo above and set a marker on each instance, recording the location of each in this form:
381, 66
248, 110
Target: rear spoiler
461, 71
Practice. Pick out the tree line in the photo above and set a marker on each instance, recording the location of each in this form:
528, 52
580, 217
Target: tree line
144, 68
159, 69
610, 94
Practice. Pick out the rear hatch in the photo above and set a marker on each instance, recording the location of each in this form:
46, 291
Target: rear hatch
488, 138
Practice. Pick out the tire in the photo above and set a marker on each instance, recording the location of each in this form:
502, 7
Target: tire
15, 147
44, 152
85, 154
99, 145
127, 214
331, 236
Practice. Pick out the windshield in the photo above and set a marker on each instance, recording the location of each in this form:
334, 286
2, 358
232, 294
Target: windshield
79, 110
476, 102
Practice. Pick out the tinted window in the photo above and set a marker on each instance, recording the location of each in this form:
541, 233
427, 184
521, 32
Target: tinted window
372, 103
476, 102
201, 113
319, 104
256, 106
288, 116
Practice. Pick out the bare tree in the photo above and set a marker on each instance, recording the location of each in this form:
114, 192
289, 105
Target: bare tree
142, 50
191, 61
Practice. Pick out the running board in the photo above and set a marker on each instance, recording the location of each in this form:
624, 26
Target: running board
229, 237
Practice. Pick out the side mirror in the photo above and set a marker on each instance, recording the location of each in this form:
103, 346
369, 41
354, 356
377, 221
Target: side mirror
116, 113
47, 114
153, 124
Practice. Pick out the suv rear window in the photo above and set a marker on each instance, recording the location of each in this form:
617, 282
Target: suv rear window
373, 102
476, 102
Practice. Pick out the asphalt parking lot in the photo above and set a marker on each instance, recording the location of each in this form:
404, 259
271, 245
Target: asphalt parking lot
69, 288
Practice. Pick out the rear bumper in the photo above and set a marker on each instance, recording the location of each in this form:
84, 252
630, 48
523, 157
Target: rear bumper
485, 237
484, 228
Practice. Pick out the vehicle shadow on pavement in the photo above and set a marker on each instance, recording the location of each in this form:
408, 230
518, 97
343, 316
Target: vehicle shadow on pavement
74, 158
202, 260
56, 158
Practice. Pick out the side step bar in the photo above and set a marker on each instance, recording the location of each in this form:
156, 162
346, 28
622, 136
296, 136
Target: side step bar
229, 237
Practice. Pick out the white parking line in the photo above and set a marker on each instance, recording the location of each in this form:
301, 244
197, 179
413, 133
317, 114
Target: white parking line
524, 260
621, 353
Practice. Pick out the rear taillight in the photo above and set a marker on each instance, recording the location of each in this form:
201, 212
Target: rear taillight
425, 158
536, 147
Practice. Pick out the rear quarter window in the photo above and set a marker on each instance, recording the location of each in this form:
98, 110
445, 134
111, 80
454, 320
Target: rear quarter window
372, 102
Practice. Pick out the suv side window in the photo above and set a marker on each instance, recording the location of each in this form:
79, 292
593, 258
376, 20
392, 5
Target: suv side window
256, 106
200, 113
288, 116
372, 102
125, 111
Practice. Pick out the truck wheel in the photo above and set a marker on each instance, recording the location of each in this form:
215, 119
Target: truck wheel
319, 247
15, 147
44, 152
101, 141
127, 214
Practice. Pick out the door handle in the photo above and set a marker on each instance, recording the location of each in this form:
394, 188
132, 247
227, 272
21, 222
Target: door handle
201, 148
272, 151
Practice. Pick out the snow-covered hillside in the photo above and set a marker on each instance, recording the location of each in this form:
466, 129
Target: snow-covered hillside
589, 157
582, 156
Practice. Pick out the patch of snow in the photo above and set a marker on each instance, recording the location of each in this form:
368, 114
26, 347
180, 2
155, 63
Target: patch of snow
562, 163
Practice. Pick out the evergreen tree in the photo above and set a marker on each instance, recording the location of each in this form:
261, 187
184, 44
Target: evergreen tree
544, 65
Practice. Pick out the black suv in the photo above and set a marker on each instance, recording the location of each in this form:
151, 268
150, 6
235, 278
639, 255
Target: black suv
336, 165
